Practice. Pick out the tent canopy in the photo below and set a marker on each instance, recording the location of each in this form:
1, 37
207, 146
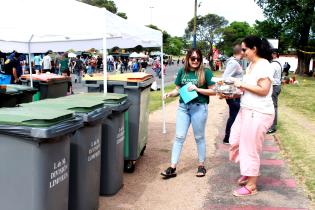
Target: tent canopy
45, 29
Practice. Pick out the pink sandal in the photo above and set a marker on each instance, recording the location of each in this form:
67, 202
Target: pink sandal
244, 191
242, 180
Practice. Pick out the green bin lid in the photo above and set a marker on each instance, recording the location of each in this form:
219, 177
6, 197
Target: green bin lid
79, 105
108, 98
33, 117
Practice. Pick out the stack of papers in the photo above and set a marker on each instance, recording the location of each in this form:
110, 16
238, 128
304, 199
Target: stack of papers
187, 95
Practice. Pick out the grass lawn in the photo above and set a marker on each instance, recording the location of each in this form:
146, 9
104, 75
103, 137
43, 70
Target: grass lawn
296, 129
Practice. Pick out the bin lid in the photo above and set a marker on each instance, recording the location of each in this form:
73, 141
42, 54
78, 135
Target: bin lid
130, 77
9, 91
74, 104
33, 116
23, 88
46, 77
108, 98
96, 76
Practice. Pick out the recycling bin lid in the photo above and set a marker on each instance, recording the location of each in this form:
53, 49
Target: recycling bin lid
46, 77
90, 110
115, 101
23, 88
33, 117
9, 91
36, 124
108, 98
131, 77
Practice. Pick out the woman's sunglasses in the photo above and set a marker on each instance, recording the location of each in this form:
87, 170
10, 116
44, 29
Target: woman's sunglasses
195, 59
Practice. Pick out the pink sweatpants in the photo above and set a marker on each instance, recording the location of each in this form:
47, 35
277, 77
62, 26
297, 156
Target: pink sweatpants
246, 139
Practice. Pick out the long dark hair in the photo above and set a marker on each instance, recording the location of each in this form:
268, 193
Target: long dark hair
200, 69
262, 45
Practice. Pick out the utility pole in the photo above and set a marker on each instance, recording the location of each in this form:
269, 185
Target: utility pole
195, 25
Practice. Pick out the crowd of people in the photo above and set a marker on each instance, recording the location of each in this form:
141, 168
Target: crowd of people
252, 110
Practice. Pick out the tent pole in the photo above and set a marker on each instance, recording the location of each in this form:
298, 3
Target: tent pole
104, 65
163, 101
29, 59
105, 56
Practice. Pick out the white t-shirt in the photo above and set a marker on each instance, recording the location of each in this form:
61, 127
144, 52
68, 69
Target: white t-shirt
46, 62
263, 104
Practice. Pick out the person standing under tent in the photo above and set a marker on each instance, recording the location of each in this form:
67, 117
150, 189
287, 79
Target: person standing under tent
46, 62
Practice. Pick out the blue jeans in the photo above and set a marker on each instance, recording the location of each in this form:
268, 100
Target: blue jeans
196, 114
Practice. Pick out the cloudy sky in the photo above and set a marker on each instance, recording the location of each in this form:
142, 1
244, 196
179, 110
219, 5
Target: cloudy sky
173, 15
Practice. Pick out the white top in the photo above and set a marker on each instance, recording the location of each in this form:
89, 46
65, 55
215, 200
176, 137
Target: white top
233, 69
46, 62
277, 69
263, 104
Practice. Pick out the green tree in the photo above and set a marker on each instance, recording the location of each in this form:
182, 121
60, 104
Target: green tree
174, 46
208, 30
122, 14
108, 4
296, 18
233, 34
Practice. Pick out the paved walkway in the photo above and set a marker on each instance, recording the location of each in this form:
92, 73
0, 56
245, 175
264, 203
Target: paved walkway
277, 187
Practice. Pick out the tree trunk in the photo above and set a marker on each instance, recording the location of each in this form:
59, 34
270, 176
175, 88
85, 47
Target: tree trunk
303, 63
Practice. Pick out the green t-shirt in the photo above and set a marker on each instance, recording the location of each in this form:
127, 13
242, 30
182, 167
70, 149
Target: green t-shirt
183, 78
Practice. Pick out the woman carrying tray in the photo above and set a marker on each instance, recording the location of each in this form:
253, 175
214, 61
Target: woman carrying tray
256, 113
194, 111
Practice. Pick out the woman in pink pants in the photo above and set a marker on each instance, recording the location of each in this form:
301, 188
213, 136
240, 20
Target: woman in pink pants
256, 113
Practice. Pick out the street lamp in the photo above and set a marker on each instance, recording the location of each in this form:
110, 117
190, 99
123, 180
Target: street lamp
195, 25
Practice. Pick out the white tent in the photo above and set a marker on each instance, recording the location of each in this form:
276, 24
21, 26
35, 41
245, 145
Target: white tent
41, 25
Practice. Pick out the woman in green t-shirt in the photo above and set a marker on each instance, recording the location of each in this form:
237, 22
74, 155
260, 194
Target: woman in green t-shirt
194, 112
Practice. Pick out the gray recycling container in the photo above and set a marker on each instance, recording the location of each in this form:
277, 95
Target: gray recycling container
34, 158
113, 136
137, 87
85, 149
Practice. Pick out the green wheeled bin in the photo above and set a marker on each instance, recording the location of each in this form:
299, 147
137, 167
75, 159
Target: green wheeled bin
34, 157
138, 91
85, 149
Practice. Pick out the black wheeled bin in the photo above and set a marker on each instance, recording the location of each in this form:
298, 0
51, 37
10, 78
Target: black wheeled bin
85, 149
113, 137
34, 158
12, 94
26, 95
9, 97
48, 85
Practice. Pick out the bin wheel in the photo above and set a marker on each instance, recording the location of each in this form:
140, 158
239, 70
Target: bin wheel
142, 151
129, 166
